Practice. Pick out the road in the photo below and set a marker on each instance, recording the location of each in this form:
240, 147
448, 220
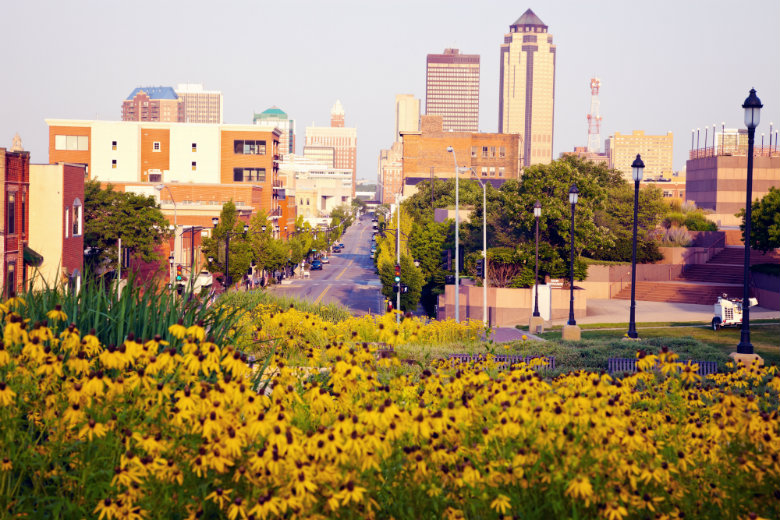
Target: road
349, 279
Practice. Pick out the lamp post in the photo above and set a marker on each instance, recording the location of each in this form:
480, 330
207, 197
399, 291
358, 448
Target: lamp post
536, 319
170, 261
159, 188
398, 258
457, 238
752, 108
637, 168
571, 331
484, 247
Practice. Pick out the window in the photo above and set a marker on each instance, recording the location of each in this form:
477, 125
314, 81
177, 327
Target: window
500, 171
67, 222
113, 145
113, 163
248, 174
484, 152
71, 142
24, 209
492, 171
76, 217
244, 147
156, 146
474, 151
10, 227
492, 151
484, 171
501, 152
194, 147
10, 283
194, 166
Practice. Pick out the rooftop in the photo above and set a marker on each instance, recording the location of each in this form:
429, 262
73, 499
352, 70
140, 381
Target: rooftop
530, 18
271, 113
155, 92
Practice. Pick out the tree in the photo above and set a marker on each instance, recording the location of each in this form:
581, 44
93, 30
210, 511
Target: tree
764, 222
110, 215
269, 253
240, 248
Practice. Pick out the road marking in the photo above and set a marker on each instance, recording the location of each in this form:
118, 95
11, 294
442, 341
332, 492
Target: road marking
343, 271
319, 298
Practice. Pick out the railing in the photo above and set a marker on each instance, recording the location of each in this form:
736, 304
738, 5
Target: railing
629, 365
504, 361
731, 150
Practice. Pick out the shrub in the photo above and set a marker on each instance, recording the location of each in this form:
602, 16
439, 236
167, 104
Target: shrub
675, 237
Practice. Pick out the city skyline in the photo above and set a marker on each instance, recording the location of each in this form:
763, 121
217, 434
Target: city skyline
649, 83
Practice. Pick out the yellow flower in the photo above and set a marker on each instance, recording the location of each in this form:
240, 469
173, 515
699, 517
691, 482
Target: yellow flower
107, 509
92, 429
57, 314
580, 488
6, 394
501, 504
177, 330
6, 465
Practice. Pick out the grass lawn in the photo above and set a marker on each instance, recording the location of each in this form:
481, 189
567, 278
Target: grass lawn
764, 335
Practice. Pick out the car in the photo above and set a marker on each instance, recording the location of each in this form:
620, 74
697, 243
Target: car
324, 259
337, 250
316, 265
341, 245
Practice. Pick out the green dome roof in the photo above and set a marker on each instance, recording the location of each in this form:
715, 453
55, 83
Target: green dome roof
272, 113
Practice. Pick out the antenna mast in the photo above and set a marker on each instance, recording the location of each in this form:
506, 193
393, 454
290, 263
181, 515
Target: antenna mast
594, 119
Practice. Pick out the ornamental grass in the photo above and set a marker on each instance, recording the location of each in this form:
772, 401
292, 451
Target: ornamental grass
176, 426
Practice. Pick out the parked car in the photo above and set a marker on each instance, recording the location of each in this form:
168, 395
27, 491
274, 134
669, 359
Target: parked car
341, 245
325, 259
373, 249
316, 265
336, 249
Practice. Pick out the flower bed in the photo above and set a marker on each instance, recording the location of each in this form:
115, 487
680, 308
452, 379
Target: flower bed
173, 427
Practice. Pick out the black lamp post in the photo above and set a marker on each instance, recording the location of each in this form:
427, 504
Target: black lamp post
573, 196
752, 108
537, 214
637, 169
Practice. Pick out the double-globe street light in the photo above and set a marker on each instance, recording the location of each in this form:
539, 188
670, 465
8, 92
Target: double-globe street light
571, 331
536, 319
752, 108
637, 169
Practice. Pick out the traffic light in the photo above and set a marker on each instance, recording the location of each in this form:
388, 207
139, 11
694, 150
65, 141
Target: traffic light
481, 267
446, 260
179, 273
397, 273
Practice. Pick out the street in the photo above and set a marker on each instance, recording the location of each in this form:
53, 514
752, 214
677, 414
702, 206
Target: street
348, 279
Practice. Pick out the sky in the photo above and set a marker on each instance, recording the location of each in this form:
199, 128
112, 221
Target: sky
664, 65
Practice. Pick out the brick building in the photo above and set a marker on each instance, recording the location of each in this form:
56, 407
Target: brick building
153, 104
57, 235
14, 215
656, 151
494, 157
199, 105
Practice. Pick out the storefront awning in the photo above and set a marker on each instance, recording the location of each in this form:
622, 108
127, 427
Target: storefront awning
32, 257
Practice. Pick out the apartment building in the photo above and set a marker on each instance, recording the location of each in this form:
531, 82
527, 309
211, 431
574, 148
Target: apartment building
153, 104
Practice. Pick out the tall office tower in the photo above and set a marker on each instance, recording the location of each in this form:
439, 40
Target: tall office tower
452, 89
276, 117
527, 87
200, 106
407, 114
342, 140
153, 104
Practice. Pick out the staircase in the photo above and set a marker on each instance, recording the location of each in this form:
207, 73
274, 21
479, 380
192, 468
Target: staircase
702, 283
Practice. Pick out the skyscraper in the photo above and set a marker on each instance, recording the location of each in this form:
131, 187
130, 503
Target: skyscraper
342, 140
200, 106
527, 87
153, 104
276, 117
407, 114
452, 89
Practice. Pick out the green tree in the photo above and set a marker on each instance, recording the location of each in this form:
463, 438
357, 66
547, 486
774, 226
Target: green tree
110, 215
269, 253
240, 249
764, 222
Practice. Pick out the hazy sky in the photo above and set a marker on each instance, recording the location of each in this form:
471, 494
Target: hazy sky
664, 65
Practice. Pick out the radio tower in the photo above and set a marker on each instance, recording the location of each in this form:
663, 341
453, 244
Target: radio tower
594, 119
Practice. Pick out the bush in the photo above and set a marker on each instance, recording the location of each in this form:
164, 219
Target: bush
675, 237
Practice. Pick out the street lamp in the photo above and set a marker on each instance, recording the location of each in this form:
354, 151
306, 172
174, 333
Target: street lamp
637, 169
457, 238
571, 331
536, 319
159, 188
752, 108
484, 247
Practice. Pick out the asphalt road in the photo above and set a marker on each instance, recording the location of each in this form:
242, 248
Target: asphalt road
349, 279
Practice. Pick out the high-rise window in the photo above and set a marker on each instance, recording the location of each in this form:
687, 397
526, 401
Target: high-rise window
244, 147
77, 218
248, 174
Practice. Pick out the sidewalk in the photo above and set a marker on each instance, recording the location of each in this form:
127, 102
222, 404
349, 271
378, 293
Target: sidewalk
505, 334
617, 311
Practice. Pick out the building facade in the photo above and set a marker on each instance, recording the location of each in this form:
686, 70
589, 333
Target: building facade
14, 214
317, 188
342, 139
172, 153
275, 117
407, 115
527, 87
200, 106
153, 104
494, 157
656, 151
390, 174
58, 236
452, 89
